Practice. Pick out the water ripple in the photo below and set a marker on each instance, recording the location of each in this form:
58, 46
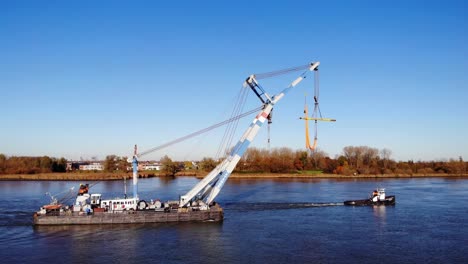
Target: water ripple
274, 206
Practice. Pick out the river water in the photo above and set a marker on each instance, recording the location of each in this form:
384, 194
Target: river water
266, 221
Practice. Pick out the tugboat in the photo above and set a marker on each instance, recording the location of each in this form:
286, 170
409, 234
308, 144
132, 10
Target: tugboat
378, 197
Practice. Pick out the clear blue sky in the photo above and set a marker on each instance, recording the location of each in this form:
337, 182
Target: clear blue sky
92, 78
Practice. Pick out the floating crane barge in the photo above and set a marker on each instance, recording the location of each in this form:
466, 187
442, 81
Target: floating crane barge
214, 213
196, 205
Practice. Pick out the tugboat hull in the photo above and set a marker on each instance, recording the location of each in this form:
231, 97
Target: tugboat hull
389, 200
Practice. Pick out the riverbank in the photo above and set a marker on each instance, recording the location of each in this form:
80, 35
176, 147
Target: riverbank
337, 176
103, 176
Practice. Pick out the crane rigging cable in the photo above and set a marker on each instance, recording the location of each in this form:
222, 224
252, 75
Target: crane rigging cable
316, 115
204, 130
232, 126
259, 76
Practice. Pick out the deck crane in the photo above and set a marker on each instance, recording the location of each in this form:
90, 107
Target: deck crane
316, 115
203, 193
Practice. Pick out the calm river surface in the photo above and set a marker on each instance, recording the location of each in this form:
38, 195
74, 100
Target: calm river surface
266, 221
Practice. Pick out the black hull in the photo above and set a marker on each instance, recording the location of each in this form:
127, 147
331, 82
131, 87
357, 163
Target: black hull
215, 214
389, 200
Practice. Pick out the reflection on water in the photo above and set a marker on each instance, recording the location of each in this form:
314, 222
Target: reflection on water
86, 230
379, 212
166, 181
127, 243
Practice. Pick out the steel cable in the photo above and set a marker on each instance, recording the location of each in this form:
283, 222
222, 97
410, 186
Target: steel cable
178, 140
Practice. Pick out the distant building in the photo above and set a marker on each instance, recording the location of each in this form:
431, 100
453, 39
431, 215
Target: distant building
76, 165
84, 165
151, 166
92, 167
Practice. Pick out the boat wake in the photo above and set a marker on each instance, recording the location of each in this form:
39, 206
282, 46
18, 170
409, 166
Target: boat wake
273, 206
15, 218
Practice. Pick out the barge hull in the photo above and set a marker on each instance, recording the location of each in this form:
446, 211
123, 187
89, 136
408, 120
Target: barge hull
136, 217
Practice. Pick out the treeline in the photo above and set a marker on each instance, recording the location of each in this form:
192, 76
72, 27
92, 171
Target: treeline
116, 163
354, 160
31, 165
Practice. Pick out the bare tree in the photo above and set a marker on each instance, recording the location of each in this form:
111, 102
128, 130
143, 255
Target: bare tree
354, 155
385, 154
369, 155
348, 153
316, 158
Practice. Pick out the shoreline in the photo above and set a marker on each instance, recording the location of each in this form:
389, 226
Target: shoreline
120, 176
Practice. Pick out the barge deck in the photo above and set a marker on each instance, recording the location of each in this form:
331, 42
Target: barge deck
214, 214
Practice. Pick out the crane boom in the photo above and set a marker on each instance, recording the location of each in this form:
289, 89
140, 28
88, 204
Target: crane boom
208, 188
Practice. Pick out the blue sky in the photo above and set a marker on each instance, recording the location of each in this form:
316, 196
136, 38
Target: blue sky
93, 78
